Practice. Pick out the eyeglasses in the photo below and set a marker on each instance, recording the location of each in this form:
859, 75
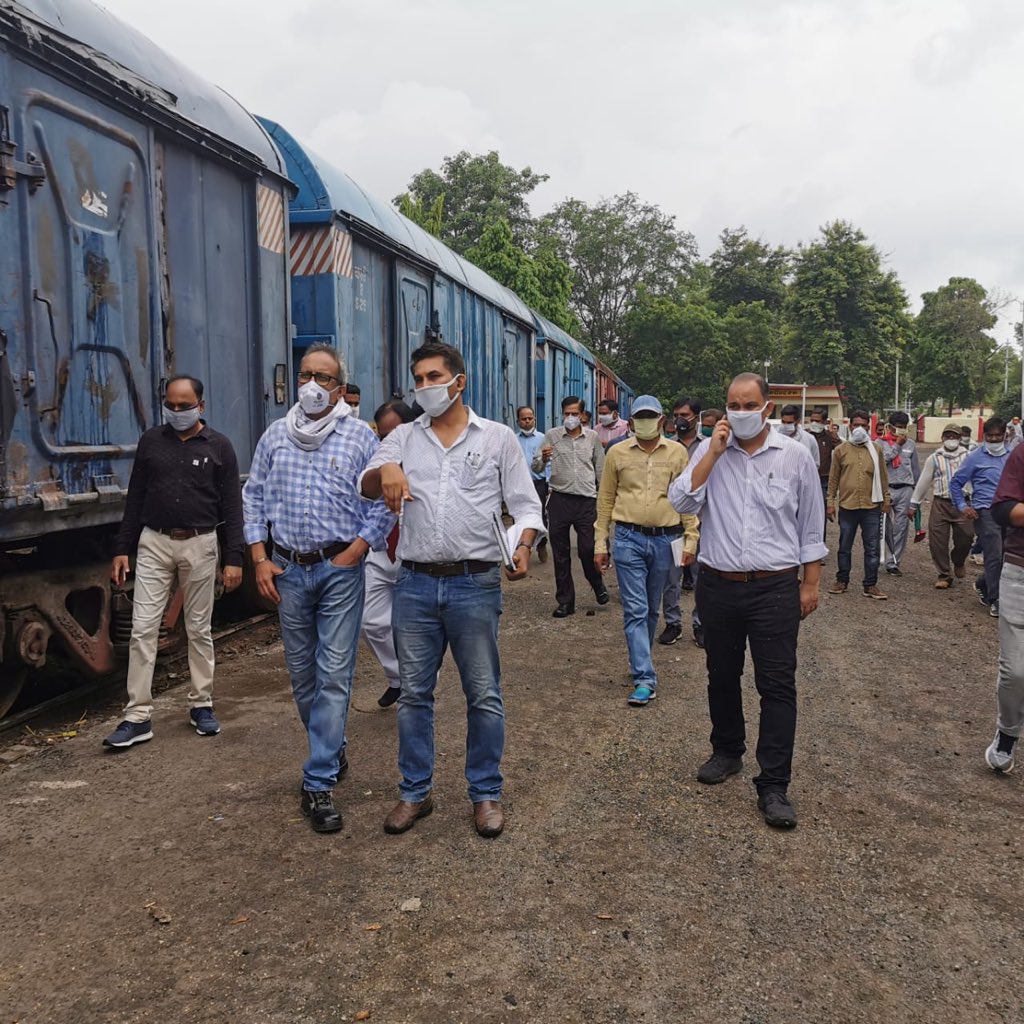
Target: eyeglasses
323, 379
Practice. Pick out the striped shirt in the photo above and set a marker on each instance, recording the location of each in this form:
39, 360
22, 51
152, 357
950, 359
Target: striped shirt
937, 472
458, 491
576, 462
310, 497
758, 512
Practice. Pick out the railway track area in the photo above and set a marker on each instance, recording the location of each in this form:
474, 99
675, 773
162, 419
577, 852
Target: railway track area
61, 703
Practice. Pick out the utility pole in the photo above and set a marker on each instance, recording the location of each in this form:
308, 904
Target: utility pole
896, 400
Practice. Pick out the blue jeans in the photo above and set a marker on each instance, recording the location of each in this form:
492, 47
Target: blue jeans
642, 567
990, 534
870, 522
430, 614
321, 611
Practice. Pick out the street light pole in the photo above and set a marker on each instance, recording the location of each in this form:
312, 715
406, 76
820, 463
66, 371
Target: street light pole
896, 401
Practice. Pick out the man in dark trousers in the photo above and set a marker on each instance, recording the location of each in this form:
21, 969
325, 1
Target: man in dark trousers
827, 443
759, 500
184, 485
576, 457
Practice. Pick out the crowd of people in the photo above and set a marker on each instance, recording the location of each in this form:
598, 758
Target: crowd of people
397, 531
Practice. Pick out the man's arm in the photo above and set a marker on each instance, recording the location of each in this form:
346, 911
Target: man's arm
520, 497
1008, 501
598, 460
605, 504
833, 478
810, 517
537, 463
131, 522
687, 494
383, 475
232, 539
961, 477
924, 482
886, 494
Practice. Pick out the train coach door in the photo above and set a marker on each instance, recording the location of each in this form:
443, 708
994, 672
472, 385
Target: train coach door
412, 321
89, 251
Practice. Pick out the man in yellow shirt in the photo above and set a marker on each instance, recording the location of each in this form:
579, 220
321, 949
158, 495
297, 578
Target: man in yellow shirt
634, 495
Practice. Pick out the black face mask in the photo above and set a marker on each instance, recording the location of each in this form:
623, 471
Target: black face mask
683, 425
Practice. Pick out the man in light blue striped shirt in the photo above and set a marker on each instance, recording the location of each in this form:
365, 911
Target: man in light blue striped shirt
759, 500
303, 486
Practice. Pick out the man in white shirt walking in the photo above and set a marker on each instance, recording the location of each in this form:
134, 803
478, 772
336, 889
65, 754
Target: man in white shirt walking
447, 475
759, 500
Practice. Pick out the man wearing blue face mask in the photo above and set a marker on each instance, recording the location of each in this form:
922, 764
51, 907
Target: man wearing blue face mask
184, 488
858, 485
982, 469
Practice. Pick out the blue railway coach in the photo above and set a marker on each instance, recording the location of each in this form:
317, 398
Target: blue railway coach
375, 284
563, 367
142, 233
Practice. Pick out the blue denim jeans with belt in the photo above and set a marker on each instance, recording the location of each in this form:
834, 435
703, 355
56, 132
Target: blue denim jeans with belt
642, 567
429, 615
321, 611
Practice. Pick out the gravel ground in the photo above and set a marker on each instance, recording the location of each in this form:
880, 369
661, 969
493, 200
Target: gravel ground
178, 883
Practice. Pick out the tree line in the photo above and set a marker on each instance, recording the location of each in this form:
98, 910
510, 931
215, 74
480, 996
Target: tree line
622, 277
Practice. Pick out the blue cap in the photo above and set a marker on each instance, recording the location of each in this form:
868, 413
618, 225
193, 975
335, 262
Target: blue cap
646, 403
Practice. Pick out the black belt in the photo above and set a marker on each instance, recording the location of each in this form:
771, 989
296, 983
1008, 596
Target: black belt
748, 577
468, 568
894, 487
185, 533
312, 557
651, 531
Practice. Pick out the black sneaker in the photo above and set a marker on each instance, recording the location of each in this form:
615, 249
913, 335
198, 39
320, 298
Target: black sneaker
319, 808
127, 734
603, 597
204, 722
776, 808
670, 635
698, 636
717, 768
389, 696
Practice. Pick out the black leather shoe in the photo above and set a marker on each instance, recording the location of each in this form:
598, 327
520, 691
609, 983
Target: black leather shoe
389, 696
698, 636
603, 597
717, 768
562, 611
776, 808
319, 808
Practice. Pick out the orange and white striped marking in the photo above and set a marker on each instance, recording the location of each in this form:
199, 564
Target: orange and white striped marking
270, 219
321, 250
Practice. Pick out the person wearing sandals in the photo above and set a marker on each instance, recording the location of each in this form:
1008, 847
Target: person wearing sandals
761, 519
634, 495
943, 518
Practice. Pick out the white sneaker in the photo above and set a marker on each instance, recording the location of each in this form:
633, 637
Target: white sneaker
978, 559
998, 760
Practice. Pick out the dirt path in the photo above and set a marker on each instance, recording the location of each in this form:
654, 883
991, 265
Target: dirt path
621, 891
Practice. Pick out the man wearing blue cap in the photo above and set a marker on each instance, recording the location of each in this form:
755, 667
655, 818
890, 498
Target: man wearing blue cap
634, 495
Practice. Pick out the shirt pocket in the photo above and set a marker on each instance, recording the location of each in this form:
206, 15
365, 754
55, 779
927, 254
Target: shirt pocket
773, 493
479, 474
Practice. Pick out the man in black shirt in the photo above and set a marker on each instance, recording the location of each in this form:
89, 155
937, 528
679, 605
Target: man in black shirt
183, 491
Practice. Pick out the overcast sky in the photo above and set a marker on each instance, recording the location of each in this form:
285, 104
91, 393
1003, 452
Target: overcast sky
902, 116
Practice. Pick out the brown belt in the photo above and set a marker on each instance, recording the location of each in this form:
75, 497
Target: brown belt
312, 557
1014, 560
184, 534
747, 577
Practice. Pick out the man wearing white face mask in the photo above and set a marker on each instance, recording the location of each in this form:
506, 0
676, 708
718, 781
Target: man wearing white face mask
303, 481
184, 486
761, 520
789, 426
982, 469
859, 485
943, 518
448, 473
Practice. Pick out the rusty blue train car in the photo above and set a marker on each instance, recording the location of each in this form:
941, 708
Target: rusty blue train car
376, 285
143, 232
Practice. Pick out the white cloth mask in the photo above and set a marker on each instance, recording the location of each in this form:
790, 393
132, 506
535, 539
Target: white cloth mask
951, 444
434, 398
995, 448
816, 428
354, 410
571, 422
606, 419
859, 435
181, 421
789, 429
746, 424
528, 433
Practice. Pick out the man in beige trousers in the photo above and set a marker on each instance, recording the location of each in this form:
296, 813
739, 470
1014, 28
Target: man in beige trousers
184, 491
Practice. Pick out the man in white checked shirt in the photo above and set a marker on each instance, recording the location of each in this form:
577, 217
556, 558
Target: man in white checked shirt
759, 499
303, 482
448, 473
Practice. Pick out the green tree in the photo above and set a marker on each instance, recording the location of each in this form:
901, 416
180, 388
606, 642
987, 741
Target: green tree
477, 190
954, 358
847, 319
430, 219
615, 248
543, 282
745, 270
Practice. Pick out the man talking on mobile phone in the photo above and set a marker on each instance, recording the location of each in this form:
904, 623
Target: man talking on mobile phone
759, 499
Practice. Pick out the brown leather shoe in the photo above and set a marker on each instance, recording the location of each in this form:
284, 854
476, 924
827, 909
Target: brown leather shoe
405, 814
488, 818
838, 587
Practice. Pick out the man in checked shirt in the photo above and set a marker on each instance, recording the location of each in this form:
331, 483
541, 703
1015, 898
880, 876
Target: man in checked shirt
303, 482
448, 472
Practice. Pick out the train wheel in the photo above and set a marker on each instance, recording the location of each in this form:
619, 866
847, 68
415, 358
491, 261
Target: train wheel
12, 679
